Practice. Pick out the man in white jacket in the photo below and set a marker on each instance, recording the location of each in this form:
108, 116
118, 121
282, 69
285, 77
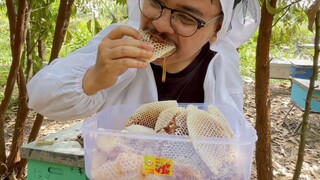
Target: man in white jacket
204, 67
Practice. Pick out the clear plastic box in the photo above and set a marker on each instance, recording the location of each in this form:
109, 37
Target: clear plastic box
159, 156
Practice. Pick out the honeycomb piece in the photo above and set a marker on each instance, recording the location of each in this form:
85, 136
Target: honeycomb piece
214, 111
185, 171
177, 150
172, 121
112, 145
216, 156
147, 114
161, 50
99, 157
139, 128
126, 166
191, 107
204, 124
105, 171
129, 165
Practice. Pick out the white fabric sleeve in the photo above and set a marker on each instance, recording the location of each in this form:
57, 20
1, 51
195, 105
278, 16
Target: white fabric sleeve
56, 91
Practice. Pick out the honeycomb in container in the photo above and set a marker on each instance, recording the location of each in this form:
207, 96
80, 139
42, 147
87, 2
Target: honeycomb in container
172, 121
168, 117
126, 166
216, 156
139, 128
218, 116
99, 157
130, 166
203, 124
112, 145
105, 171
147, 114
177, 150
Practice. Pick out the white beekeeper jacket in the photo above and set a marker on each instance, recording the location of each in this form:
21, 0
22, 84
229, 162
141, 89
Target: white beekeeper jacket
56, 91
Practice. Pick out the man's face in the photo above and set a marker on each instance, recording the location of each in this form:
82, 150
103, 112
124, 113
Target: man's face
187, 48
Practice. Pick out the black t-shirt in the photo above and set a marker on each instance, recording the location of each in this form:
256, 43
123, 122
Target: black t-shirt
185, 86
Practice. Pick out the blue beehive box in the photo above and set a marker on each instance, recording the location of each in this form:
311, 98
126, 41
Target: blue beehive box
299, 92
301, 69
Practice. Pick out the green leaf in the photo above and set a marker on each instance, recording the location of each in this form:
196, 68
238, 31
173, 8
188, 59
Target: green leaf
97, 26
114, 20
122, 2
261, 2
68, 37
74, 11
89, 25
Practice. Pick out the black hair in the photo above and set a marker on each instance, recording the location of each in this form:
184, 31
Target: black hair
235, 2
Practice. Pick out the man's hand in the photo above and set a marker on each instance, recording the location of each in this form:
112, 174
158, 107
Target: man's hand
116, 53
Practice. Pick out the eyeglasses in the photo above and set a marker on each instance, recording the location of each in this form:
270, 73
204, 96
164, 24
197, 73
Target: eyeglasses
182, 23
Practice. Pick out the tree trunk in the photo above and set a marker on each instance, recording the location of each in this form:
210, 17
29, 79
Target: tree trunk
263, 125
63, 19
32, 136
17, 36
5, 102
23, 110
12, 21
41, 50
304, 127
29, 65
22, 114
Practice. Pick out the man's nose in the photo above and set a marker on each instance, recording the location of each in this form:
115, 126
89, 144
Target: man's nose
163, 24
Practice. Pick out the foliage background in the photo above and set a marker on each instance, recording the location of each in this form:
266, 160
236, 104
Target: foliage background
88, 18
289, 31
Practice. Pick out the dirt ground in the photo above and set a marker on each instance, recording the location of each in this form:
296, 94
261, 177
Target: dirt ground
285, 119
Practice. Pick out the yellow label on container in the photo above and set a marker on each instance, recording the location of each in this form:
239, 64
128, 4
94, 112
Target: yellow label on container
158, 166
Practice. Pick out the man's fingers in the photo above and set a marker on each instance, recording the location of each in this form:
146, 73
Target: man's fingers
129, 42
128, 51
122, 49
121, 31
129, 63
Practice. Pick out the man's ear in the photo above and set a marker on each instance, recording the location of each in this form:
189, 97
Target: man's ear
214, 35
213, 38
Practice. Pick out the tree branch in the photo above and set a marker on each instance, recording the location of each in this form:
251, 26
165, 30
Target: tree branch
304, 127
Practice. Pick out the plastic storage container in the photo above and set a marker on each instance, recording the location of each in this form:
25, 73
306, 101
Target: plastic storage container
159, 156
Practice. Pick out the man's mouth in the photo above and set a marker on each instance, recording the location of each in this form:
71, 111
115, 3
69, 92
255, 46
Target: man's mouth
160, 39
162, 49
